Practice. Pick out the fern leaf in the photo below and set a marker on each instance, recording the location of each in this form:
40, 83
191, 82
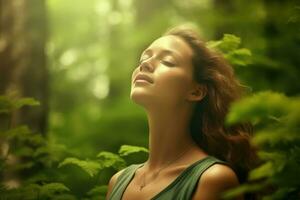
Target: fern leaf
243, 189
51, 189
258, 107
265, 170
239, 57
108, 159
8, 104
228, 43
98, 191
90, 167
126, 150
25, 101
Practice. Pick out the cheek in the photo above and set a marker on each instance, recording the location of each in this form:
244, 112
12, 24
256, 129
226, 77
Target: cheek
173, 83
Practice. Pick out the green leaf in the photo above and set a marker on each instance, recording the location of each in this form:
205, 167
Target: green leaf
261, 106
23, 165
28, 192
8, 104
63, 197
25, 102
293, 117
98, 191
228, 43
213, 44
36, 178
89, 166
44, 150
274, 138
239, 57
271, 156
20, 132
243, 189
25, 136
126, 150
282, 193
50, 189
265, 170
108, 159
229, 47
24, 151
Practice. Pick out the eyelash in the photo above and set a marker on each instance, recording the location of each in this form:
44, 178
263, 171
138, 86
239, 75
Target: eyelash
168, 63
162, 61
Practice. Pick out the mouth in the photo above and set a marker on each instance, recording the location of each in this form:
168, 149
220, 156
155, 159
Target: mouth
142, 78
141, 81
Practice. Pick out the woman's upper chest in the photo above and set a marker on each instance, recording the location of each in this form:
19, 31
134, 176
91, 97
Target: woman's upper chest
133, 192
180, 185
152, 189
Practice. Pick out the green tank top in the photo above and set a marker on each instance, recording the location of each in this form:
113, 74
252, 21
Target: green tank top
182, 188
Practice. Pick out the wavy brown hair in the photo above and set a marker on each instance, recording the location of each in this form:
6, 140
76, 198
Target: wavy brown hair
207, 126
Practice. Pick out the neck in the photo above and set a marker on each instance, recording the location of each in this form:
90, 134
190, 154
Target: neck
169, 135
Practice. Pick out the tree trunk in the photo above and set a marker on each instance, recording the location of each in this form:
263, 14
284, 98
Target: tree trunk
23, 60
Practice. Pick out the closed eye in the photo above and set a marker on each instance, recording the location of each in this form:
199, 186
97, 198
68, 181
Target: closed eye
168, 63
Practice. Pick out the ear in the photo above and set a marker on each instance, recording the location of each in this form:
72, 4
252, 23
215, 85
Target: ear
197, 93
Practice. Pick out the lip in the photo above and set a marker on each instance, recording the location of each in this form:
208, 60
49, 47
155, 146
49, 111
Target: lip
142, 78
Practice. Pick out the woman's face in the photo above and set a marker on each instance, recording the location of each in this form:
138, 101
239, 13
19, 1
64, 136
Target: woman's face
165, 73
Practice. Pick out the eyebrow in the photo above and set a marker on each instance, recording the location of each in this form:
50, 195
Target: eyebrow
164, 51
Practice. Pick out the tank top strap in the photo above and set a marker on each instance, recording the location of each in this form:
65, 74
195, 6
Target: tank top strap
122, 181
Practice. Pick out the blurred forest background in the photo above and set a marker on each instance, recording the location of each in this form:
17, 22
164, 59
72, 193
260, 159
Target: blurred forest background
65, 70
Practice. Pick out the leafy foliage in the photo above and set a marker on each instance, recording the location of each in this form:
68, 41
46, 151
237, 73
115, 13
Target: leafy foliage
52, 189
33, 151
276, 118
8, 104
229, 46
91, 167
109, 159
129, 149
38, 152
35, 191
98, 192
105, 160
260, 107
278, 138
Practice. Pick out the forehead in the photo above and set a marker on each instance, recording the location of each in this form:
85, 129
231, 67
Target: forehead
173, 44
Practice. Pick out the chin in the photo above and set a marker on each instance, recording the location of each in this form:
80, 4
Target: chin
140, 98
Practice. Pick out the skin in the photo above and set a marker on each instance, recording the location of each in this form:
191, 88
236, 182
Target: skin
169, 101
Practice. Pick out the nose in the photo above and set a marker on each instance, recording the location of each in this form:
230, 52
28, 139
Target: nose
146, 66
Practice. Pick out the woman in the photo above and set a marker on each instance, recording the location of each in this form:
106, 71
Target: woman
186, 90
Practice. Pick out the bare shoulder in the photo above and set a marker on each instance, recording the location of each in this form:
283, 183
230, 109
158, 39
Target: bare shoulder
214, 181
112, 182
219, 175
